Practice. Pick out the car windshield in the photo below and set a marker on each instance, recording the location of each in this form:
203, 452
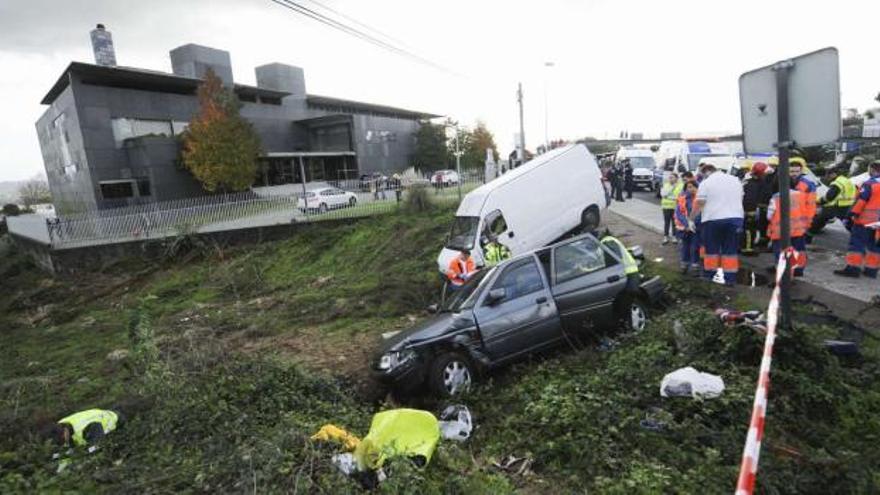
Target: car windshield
467, 294
464, 231
642, 162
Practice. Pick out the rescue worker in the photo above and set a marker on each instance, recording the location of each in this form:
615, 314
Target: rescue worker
687, 230
460, 269
85, 428
768, 185
495, 251
799, 222
805, 185
719, 202
836, 203
630, 266
863, 248
669, 193
617, 182
753, 187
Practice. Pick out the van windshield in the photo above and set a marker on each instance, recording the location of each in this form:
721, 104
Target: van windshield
642, 162
463, 234
465, 297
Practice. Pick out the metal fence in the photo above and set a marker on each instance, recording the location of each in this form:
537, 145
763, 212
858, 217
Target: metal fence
218, 213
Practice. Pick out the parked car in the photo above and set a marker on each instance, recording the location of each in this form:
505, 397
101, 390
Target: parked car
367, 180
445, 178
529, 303
530, 206
325, 199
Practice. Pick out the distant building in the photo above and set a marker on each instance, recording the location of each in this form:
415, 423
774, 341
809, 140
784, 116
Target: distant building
109, 135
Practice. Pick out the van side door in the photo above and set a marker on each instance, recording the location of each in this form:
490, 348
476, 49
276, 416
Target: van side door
586, 280
525, 319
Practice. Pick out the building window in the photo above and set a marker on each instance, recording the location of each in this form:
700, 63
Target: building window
125, 128
249, 98
143, 186
179, 127
270, 100
117, 189
61, 131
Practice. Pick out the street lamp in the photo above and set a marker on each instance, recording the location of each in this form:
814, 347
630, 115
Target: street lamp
457, 154
547, 66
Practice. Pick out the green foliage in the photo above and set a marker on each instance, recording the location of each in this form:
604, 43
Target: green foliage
11, 210
473, 145
431, 150
418, 200
220, 148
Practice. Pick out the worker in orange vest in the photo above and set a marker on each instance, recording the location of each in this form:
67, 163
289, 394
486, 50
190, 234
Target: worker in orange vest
799, 221
801, 182
460, 269
863, 248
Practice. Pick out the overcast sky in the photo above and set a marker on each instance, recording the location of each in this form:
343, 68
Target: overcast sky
644, 66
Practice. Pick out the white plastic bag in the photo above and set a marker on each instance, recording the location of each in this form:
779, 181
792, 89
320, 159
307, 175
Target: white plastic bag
456, 423
688, 382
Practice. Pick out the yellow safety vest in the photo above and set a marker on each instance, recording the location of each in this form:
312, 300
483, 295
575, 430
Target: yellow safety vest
667, 203
80, 420
847, 195
398, 432
496, 253
630, 265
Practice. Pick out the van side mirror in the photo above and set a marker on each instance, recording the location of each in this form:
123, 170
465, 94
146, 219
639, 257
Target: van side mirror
495, 296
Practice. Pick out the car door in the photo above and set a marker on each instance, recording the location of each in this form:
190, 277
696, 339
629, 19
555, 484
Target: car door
586, 279
525, 319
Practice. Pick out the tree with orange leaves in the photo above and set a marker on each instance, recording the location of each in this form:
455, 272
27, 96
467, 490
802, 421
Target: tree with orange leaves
220, 148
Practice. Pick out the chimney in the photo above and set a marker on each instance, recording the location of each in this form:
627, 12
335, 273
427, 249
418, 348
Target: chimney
102, 45
194, 61
281, 77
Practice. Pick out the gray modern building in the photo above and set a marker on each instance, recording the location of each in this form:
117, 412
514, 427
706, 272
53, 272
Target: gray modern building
109, 134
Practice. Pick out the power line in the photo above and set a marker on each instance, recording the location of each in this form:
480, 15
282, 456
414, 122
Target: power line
302, 10
359, 23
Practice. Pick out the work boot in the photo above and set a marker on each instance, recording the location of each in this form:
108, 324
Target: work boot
675, 240
798, 272
665, 240
848, 271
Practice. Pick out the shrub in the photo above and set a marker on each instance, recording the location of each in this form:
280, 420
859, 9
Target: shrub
417, 200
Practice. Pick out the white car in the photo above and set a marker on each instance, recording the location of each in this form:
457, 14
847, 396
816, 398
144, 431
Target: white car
445, 178
325, 199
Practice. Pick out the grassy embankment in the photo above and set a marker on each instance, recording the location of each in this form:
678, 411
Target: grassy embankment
236, 355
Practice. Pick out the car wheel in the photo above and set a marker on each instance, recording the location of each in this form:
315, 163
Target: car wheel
451, 374
352, 201
636, 317
590, 219
322, 208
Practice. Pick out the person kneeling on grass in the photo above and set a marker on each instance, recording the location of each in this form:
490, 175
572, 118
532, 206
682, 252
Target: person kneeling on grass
85, 428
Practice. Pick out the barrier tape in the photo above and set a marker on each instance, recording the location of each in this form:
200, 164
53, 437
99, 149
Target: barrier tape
748, 470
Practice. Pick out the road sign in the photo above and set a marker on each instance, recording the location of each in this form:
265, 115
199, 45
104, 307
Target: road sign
813, 102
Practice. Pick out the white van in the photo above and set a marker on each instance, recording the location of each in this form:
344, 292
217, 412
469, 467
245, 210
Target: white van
643, 165
530, 206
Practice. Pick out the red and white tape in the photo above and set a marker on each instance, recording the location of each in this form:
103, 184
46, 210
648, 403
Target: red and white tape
748, 470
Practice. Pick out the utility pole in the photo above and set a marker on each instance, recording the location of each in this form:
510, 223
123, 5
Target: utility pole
547, 66
458, 162
522, 132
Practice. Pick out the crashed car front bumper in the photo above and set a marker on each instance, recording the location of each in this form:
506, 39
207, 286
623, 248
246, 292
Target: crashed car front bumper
407, 377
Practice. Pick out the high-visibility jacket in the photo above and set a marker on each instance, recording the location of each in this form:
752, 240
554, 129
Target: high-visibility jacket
459, 271
867, 207
496, 253
808, 187
630, 266
846, 195
799, 219
683, 209
79, 421
408, 433
669, 195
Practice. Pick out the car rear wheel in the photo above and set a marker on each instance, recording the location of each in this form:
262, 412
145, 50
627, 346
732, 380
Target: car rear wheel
451, 374
352, 201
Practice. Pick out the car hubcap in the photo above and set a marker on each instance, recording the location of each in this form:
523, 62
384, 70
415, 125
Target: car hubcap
456, 377
638, 318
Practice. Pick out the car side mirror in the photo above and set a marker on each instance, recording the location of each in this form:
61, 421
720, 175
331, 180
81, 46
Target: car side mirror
496, 295
433, 308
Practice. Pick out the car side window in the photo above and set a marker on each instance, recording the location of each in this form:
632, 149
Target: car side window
520, 279
578, 258
495, 223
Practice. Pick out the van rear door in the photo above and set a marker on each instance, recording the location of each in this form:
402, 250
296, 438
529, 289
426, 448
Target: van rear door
586, 281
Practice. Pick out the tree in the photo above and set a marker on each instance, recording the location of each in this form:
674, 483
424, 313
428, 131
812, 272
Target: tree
481, 140
431, 151
34, 191
220, 148
11, 210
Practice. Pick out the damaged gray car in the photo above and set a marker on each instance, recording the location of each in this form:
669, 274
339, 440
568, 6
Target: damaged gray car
527, 304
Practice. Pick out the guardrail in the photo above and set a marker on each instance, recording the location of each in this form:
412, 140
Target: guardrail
217, 214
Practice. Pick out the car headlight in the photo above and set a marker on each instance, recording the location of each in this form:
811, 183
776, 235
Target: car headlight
392, 360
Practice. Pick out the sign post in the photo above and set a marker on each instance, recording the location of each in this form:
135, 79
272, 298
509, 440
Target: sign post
784, 145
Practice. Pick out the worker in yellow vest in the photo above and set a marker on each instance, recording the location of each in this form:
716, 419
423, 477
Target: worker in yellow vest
838, 200
85, 428
669, 193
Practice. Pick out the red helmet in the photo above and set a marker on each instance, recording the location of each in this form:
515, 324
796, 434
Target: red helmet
759, 169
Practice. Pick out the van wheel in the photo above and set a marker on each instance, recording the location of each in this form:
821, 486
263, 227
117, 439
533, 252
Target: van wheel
590, 219
451, 374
